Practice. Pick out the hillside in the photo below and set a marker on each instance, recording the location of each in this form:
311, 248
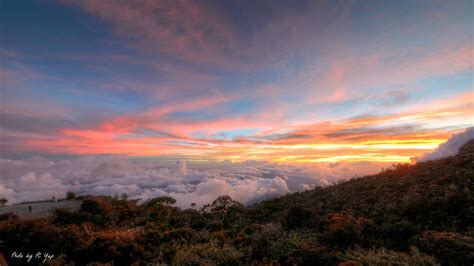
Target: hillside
433, 194
418, 214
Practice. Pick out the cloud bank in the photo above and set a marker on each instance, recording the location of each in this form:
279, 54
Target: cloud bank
39, 179
450, 147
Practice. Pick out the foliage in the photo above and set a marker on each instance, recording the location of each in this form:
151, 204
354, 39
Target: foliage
70, 196
208, 254
452, 248
300, 217
388, 257
3, 201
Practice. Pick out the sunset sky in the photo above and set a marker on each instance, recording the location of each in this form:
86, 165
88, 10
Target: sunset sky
277, 81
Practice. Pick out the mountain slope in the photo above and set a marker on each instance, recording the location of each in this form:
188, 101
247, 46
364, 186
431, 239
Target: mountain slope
410, 205
441, 186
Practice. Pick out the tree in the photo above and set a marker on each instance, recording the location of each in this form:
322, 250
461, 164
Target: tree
298, 217
160, 202
3, 201
226, 210
97, 210
160, 208
70, 196
223, 204
342, 230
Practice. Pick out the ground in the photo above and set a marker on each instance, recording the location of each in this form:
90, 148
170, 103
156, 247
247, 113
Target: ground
40, 209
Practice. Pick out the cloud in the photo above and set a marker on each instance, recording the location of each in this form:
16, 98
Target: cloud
6, 192
175, 83
450, 147
181, 167
32, 187
418, 129
248, 182
180, 29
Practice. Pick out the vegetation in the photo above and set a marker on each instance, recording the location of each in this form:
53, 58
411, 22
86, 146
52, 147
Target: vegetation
3, 201
410, 215
70, 196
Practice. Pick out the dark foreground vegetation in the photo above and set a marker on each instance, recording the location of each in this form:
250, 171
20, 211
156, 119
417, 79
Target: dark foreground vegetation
411, 215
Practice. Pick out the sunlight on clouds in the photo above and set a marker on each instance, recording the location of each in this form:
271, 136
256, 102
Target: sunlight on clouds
363, 158
330, 91
38, 178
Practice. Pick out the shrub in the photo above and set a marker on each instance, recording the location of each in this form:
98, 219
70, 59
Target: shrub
450, 248
208, 254
70, 196
121, 247
387, 257
97, 210
299, 217
342, 230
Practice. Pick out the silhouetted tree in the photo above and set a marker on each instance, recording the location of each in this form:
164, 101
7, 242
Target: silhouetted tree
159, 202
70, 196
3, 202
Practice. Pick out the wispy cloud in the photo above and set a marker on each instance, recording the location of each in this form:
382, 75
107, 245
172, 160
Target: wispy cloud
378, 137
276, 81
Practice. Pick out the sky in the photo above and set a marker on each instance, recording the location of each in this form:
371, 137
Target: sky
282, 82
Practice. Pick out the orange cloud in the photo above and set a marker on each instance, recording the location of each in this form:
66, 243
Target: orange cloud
393, 137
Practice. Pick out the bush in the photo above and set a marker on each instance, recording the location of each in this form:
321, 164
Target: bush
299, 217
70, 196
387, 257
342, 230
97, 210
63, 216
450, 248
208, 254
313, 253
121, 247
31, 236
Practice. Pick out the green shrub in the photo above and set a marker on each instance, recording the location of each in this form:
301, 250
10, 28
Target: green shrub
387, 257
208, 254
450, 248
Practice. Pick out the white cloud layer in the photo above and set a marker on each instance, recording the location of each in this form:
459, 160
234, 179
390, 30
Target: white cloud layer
450, 147
38, 179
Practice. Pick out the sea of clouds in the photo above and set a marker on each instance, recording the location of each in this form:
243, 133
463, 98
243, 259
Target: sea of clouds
39, 178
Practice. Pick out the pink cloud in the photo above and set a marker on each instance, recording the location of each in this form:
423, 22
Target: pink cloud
365, 138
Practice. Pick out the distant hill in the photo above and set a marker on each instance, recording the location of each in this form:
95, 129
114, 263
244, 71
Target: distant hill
421, 214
